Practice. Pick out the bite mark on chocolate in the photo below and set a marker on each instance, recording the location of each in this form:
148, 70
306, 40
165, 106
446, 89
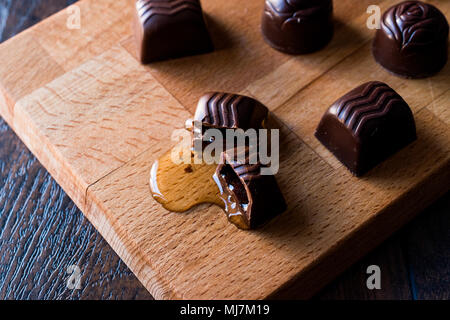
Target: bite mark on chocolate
250, 198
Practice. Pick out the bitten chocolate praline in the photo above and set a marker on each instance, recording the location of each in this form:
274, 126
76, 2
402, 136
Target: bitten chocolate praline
413, 40
297, 26
250, 198
166, 29
366, 126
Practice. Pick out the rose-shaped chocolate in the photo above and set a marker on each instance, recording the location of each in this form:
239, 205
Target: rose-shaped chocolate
297, 26
412, 41
414, 23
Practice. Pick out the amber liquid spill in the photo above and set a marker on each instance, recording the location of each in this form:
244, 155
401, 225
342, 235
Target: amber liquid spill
179, 187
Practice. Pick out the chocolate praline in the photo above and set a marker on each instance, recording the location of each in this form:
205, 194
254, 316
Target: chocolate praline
366, 126
413, 40
250, 197
230, 111
297, 26
222, 111
167, 29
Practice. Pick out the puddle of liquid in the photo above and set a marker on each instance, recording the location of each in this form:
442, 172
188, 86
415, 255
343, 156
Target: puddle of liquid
179, 187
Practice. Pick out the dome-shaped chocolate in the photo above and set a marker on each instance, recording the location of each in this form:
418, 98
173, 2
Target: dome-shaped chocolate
297, 26
413, 40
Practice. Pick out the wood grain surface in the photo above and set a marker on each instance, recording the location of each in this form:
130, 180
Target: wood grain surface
396, 263
42, 232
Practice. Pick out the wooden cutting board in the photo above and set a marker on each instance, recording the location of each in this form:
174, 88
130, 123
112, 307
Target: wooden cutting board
97, 119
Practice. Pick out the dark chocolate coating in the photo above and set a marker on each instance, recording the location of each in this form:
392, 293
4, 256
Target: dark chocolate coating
250, 199
230, 111
366, 126
221, 110
166, 29
413, 40
297, 26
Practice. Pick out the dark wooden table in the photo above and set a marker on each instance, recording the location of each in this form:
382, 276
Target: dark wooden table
42, 232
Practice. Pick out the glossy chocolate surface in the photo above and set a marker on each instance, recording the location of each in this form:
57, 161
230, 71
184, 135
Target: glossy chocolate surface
250, 199
297, 26
413, 40
366, 126
166, 29
230, 111
221, 110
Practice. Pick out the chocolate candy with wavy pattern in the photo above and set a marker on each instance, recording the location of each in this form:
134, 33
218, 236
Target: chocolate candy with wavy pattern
230, 111
250, 198
366, 126
221, 110
166, 29
413, 40
297, 26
